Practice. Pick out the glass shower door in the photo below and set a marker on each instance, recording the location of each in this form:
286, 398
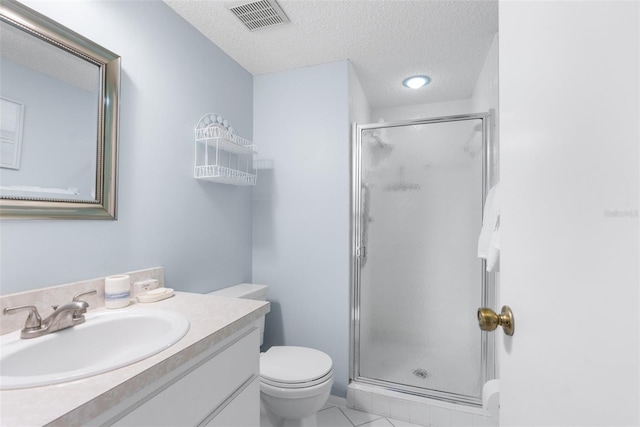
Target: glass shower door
419, 280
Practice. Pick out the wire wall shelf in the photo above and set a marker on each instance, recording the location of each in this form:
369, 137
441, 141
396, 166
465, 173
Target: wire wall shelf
224, 175
221, 155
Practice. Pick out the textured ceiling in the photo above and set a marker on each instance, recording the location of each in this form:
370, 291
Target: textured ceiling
22, 48
385, 41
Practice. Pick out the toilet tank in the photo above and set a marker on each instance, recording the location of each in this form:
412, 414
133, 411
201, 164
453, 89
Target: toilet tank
246, 291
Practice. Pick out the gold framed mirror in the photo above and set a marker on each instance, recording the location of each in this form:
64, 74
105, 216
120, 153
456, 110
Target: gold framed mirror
59, 120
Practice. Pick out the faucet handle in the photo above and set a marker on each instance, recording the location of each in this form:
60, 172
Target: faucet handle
79, 314
34, 321
80, 295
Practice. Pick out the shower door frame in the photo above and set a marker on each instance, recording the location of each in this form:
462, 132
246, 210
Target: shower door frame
358, 252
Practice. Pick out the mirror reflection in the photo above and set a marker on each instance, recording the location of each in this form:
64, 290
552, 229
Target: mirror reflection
50, 104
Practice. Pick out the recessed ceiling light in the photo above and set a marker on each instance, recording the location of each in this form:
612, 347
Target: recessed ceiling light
416, 82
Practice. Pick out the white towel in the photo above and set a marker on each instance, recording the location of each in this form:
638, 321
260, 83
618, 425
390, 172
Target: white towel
489, 241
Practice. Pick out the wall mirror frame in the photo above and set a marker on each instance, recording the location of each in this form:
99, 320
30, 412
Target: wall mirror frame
103, 203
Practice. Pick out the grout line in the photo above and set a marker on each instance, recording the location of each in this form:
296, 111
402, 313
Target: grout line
356, 425
345, 415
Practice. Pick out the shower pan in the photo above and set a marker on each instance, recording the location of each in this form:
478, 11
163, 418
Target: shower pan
418, 189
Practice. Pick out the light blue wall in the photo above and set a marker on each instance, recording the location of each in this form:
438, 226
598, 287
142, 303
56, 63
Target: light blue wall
199, 231
359, 108
202, 232
301, 209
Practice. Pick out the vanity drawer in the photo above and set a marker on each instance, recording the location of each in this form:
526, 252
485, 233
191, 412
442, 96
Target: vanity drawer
243, 411
192, 398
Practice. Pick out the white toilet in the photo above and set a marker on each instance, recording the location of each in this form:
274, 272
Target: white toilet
295, 382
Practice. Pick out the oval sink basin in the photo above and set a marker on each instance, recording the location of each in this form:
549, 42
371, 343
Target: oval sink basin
107, 340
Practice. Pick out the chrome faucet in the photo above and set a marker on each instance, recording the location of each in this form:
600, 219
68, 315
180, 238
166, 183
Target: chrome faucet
64, 316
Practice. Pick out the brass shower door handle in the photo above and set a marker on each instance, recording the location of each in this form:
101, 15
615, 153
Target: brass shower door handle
489, 320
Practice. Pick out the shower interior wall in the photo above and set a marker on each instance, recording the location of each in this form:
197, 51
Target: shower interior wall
484, 99
421, 212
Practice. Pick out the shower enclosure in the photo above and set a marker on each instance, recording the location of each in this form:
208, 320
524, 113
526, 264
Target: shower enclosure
418, 189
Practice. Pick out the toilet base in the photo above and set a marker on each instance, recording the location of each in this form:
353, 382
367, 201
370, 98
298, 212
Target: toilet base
294, 407
269, 419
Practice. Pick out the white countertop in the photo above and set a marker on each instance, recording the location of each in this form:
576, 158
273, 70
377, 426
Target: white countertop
211, 318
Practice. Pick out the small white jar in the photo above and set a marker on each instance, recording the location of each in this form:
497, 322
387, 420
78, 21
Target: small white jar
117, 291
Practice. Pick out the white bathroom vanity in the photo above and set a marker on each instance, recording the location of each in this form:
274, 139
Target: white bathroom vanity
209, 377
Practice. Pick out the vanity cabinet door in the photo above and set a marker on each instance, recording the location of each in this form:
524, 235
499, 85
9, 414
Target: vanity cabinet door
243, 411
208, 387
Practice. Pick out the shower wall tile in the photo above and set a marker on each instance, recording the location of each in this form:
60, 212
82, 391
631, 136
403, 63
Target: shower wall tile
468, 409
363, 400
381, 404
478, 421
461, 419
351, 398
420, 413
400, 409
439, 404
482, 421
415, 409
440, 417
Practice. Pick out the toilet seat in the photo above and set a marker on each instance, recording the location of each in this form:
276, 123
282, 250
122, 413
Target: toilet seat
294, 367
297, 393
281, 384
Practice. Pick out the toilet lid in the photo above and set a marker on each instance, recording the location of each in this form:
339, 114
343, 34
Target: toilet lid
292, 365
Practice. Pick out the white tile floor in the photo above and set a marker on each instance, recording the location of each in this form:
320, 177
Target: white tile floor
340, 416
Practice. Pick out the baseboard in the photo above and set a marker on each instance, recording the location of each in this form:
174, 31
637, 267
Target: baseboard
337, 401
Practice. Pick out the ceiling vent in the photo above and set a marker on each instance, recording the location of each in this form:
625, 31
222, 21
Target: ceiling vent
260, 14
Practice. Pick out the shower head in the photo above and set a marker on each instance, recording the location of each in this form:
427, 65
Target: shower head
380, 145
376, 143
